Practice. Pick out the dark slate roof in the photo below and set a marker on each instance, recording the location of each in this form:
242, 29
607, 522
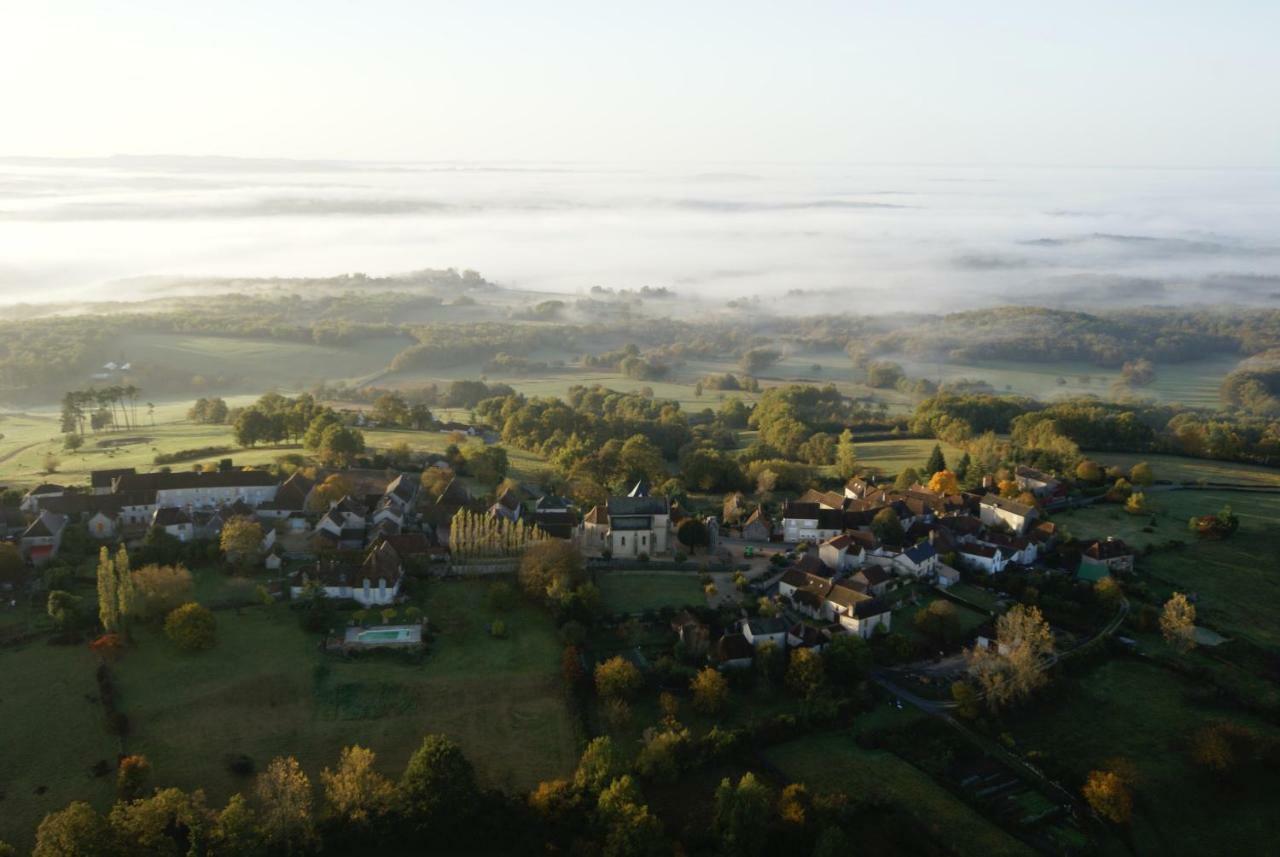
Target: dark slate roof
403, 487
169, 516
800, 511
409, 544
830, 519
1011, 506
383, 563
1108, 549
764, 625
920, 552
872, 575
557, 524
551, 502
855, 520
191, 479
870, 607
637, 506
844, 595
292, 495
734, 647
45, 526
810, 563
46, 488
105, 478
630, 522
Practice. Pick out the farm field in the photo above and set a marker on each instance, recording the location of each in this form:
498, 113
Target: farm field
257, 365
1142, 713
266, 690
27, 437
637, 591
1178, 468
1194, 383
1235, 579
834, 762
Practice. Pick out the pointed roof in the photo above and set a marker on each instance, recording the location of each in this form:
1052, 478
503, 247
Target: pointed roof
46, 526
403, 487
382, 562
641, 489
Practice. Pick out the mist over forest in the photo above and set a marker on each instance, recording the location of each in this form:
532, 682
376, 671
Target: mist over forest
805, 239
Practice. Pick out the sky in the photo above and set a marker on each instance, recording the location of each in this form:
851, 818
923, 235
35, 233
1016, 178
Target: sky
1138, 84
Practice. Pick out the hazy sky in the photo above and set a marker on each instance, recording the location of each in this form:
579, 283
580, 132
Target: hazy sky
1166, 83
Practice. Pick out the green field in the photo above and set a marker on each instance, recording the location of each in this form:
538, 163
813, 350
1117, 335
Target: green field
635, 592
834, 762
257, 365
1135, 711
888, 457
1193, 383
1177, 468
26, 438
1236, 580
259, 693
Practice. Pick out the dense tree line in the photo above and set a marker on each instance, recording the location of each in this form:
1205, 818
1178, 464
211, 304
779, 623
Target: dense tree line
1093, 424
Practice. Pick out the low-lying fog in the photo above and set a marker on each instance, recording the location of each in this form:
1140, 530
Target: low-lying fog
885, 238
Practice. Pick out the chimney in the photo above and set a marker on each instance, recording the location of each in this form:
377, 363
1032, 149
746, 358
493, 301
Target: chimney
988, 481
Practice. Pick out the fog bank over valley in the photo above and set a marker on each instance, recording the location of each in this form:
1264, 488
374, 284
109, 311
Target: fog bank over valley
799, 238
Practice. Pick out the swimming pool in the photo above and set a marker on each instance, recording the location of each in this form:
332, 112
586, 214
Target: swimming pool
394, 635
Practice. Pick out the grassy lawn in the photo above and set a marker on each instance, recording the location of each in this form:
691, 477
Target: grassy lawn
1181, 469
635, 592
976, 595
26, 437
904, 615
892, 456
1141, 713
262, 691
833, 762
53, 735
1237, 580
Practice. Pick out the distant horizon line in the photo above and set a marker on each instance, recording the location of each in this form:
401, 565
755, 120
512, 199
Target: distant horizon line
176, 158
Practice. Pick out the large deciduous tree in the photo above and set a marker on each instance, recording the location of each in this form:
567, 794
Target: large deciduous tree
438, 790
1014, 668
354, 792
1178, 623
285, 813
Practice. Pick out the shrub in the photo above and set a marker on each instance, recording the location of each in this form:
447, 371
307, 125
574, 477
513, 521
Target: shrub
191, 627
618, 678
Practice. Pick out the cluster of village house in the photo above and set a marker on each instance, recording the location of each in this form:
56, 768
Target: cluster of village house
839, 587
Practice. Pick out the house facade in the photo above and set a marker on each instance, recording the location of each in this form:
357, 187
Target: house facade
629, 526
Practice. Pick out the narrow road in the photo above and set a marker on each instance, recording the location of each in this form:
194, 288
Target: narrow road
942, 709
15, 452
